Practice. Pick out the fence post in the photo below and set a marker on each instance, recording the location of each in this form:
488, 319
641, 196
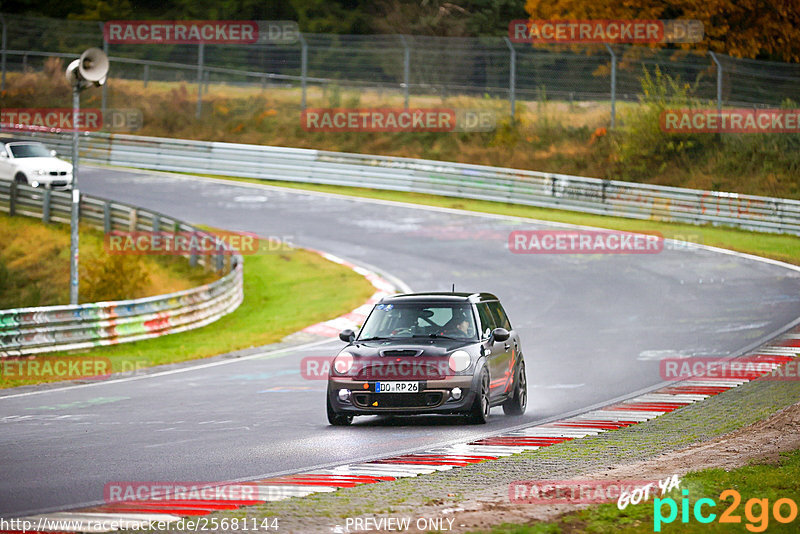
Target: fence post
46, 205
200, 53
512, 77
104, 96
613, 86
4, 44
146, 74
406, 68
106, 217
303, 70
12, 199
719, 81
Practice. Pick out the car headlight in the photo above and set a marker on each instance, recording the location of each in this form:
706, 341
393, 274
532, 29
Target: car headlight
40, 172
459, 361
343, 363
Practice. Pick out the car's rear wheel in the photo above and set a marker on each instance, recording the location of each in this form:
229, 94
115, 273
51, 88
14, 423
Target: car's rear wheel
20, 179
519, 400
337, 419
479, 413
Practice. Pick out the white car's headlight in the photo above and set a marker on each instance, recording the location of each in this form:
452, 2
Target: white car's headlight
459, 361
40, 172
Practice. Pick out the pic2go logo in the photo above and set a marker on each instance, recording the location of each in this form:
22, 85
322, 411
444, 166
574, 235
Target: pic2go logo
756, 511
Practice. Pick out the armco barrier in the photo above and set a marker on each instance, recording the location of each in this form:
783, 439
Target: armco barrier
49, 328
548, 190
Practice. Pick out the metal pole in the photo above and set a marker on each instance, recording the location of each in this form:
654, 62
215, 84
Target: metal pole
3, 60
719, 81
146, 74
76, 198
613, 86
406, 63
105, 85
512, 77
303, 69
200, 51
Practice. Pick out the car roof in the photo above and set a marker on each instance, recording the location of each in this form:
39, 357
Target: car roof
12, 140
435, 296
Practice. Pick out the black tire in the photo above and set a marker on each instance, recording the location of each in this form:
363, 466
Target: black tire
337, 419
479, 413
20, 179
519, 400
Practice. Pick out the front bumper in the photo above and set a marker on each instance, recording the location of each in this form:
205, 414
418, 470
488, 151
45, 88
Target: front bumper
433, 398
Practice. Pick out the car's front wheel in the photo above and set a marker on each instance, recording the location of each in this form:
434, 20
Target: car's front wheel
21, 179
479, 413
517, 403
337, 419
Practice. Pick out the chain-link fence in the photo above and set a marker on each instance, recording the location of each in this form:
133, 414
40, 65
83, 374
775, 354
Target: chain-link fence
411, 66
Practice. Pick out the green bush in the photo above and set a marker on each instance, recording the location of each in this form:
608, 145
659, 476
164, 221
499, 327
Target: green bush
642, 147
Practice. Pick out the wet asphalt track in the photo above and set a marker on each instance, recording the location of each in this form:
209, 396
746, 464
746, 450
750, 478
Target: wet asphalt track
593, 328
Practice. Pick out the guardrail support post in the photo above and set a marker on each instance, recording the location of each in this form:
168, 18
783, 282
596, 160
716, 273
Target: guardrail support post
156, 223
406, 68
613, 86
220, 262
146, 74
303, 70
512, 77
200, 53
46, 206
4, 44
133, 220
12, 200
107, 217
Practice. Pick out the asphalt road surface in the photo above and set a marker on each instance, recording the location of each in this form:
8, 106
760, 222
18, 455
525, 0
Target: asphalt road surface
593, 328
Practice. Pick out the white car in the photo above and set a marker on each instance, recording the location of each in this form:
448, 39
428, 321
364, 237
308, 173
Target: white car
31, 163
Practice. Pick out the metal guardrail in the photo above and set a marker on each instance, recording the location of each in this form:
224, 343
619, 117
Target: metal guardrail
36, 330
547, 190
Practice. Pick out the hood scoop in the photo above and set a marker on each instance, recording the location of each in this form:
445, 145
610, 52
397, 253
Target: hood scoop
401, 353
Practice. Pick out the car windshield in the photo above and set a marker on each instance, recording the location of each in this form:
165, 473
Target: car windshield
29, 150
420, 319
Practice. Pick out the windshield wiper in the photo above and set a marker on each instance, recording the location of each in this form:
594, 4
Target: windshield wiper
442, 336
376, 338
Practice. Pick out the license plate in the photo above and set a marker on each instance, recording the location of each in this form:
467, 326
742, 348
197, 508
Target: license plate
396, 387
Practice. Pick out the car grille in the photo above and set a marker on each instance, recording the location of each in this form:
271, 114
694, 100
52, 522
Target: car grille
58, 183
425, 399
58, 173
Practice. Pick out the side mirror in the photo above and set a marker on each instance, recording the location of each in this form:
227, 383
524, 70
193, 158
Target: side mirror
53, 153
347, 335
500, 334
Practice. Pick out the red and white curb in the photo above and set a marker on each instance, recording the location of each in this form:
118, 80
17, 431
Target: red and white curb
355, 318
143, 514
